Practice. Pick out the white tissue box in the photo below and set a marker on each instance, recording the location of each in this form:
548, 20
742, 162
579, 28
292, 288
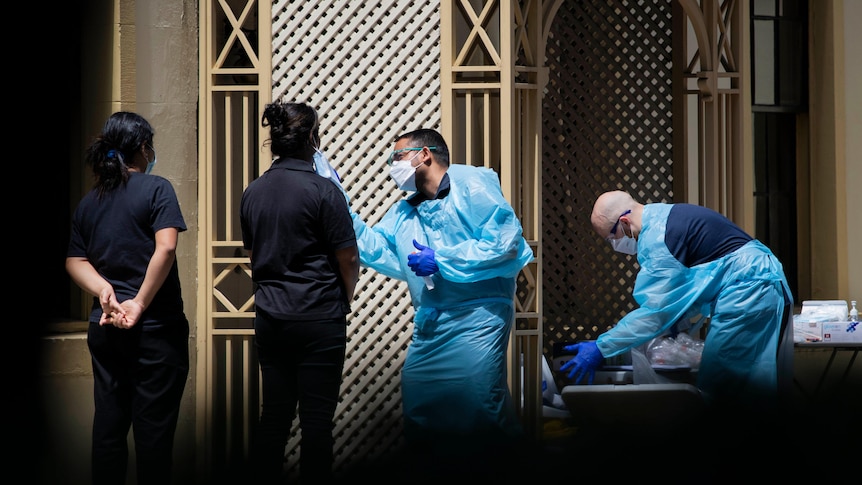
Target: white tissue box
842, 332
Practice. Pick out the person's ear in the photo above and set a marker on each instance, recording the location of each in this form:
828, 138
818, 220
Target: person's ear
427, 153
628, 220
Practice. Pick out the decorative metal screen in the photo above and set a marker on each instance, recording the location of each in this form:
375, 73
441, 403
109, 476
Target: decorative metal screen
233, 56
607, 126
372, 71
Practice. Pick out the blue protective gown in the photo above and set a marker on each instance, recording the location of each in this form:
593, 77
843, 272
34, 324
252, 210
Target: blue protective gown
454, 382
744, 293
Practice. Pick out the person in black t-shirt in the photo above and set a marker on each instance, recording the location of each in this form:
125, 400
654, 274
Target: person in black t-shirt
299, 236
123, 250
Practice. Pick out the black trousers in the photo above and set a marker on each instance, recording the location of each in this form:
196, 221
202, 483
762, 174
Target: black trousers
301, 363
139, 378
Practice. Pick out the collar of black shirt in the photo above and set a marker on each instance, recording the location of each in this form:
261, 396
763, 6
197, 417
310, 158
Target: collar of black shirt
293, 164
442, 191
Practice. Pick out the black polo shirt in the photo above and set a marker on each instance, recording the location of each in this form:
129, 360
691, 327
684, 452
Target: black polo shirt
294, 220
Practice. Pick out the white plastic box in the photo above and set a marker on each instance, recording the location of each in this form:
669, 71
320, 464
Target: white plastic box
849, 332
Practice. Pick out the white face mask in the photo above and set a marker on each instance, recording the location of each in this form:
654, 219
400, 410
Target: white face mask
404, 174
626, 245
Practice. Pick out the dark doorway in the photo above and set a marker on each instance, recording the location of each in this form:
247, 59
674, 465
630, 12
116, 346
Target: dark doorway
775, 189
779, 84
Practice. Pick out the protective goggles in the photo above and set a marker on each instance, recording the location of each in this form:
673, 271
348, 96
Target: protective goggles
616, 225
396, 154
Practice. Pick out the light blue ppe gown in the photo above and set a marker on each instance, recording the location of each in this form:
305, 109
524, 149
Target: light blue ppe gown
454, 382
744, 293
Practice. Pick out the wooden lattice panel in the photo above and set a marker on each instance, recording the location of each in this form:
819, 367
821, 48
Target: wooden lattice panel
607, 126
372, 71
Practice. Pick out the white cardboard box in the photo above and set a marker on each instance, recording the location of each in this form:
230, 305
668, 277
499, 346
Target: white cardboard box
842, 332
807, 331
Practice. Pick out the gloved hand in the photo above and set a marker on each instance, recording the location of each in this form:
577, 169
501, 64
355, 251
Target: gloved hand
586, 361
422, 263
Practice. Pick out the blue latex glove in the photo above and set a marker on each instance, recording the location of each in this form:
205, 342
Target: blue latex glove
587, 360
422, 263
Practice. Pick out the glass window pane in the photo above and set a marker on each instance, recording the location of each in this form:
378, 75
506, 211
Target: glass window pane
764, 7
763, 70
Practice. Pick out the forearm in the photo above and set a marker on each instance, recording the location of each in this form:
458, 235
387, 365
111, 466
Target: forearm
375, 250
160, 265
85, 276
348, 266
157, 273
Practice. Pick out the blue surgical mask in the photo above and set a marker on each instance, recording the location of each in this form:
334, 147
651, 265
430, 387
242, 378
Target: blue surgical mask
322, 165
153, 163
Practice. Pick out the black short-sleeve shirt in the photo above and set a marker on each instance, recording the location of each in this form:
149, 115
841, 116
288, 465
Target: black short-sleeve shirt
117, 234
294, 220
697, 235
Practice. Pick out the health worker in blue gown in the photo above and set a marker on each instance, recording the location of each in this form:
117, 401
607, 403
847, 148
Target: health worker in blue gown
694, 262
458, 244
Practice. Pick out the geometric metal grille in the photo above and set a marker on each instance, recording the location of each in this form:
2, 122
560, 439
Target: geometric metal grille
234, 53
607, 126
372, 70
491, 105
718, 175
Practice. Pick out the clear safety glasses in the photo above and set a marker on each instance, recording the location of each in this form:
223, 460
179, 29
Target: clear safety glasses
396, 155
611, 237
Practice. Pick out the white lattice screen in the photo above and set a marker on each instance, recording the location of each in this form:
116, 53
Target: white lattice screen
372, 71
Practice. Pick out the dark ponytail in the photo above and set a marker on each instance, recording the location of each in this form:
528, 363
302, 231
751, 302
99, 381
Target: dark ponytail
123, 134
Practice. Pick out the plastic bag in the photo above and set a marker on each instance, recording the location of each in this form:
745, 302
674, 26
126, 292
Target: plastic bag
682, 350
642, 371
